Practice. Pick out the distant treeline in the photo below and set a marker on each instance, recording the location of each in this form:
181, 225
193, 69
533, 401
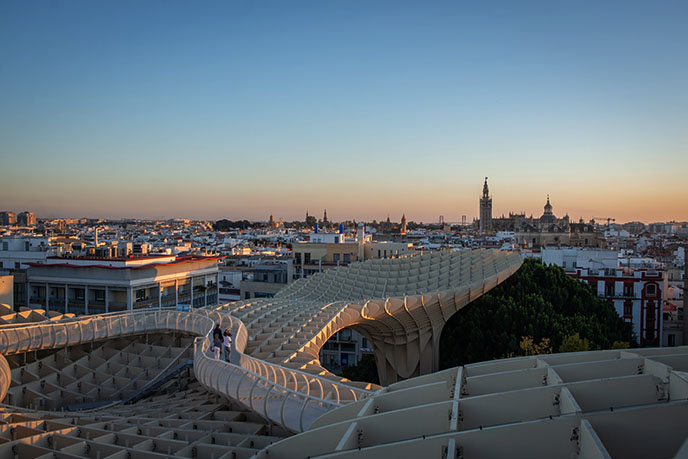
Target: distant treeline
227, 225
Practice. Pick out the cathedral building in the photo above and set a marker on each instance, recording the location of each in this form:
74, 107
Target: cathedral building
550, 231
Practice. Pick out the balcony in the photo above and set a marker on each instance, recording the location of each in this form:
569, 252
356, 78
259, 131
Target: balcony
623, 295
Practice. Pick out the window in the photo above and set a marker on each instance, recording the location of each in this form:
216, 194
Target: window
628, 309
347, 258
140, 294
671, 340
650, 310
628, 289
335, 258
651, 289
307, 257
17, 265
100, 295
5, 245
609, 288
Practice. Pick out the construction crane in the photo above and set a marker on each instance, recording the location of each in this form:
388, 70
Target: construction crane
609, 219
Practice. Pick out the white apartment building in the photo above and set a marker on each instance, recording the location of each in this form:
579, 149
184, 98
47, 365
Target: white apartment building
88, 285
16, 252
636, 293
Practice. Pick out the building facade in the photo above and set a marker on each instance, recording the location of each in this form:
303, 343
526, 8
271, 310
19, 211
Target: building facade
8, 218
637, 296
26, 218
344, 348
266, 279
637, 293
84, 285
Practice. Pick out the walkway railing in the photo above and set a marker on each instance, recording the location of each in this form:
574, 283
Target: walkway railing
285, 396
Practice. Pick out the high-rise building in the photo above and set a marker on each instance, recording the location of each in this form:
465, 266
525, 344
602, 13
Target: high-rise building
403, 224
26, 218
8, 218
486, 210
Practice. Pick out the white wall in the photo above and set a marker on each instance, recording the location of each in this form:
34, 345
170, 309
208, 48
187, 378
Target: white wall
7, 290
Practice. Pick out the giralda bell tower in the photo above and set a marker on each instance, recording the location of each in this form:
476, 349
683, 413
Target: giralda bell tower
486, 210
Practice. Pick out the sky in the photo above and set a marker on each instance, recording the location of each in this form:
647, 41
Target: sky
367, 109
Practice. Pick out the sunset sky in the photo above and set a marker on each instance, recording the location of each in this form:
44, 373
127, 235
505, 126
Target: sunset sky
245, 109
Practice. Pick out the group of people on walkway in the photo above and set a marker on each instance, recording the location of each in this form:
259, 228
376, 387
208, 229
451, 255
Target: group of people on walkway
222, 343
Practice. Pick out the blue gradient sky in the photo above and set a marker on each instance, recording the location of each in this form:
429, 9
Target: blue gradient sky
243, 109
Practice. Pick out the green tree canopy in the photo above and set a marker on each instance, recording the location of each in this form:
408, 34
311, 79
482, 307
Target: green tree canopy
538, 302
574, 343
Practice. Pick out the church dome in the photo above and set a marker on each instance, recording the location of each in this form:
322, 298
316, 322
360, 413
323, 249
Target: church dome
548, 216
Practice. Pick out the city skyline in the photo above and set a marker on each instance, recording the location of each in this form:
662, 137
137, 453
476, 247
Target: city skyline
259, 214
243, 110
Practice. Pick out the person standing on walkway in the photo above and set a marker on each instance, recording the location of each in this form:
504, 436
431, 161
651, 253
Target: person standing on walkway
227, 344
217, 332
217, 348
217, 341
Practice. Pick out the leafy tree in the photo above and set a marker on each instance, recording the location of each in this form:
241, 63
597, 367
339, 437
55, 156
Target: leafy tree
574, 343
530, 348
539, 302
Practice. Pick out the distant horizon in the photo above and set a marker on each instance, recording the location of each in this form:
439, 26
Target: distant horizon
331, 220
575, 214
